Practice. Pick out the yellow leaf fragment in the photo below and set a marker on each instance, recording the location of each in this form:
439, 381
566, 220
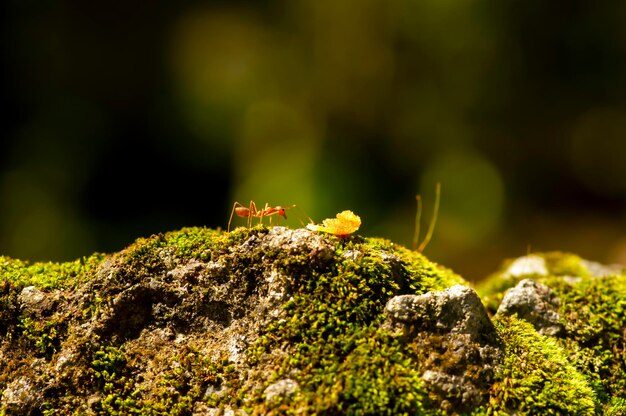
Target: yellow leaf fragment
344, 224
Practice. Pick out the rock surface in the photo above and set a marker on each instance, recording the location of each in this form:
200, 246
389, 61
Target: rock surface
527, 265
269, 321
456, 310
536, 303
459, 344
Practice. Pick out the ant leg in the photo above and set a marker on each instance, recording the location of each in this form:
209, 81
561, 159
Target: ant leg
262, 214
251, 213
272, 213
235, 205
280, 213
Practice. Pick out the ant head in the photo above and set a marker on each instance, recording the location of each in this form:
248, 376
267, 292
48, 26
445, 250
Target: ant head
282, 212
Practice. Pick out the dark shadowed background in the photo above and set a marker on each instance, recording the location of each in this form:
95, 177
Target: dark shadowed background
123, 119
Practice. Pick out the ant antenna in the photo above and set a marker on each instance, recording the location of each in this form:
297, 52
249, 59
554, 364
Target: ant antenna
433, 220
303, 213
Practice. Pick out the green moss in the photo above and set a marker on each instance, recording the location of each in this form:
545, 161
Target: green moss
344, 362
40, 336
9, 308
115, 382
185, 383
187, 243
536, 376
593, 311
557, 263
565, 264
172, 392
329, 337
377, 377
615, 407
48, 275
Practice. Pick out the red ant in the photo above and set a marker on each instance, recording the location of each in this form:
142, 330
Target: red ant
252, 211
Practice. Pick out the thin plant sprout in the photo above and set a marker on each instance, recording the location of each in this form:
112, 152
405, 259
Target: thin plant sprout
433, 221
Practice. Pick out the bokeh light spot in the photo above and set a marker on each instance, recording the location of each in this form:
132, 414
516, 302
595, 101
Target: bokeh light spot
218, 60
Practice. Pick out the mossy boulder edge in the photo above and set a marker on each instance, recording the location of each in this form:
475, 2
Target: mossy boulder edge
278, 321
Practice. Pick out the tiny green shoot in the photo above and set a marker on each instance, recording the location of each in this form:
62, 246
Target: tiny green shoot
431, 227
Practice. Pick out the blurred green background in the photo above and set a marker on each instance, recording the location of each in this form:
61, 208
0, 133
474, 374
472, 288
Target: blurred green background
122, 119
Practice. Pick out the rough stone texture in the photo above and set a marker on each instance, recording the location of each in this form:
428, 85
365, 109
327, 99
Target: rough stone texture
457, 310
201, 409
157, 309
34, 302
20, 396
277, 321
281, 388
447, 385
30, 297
536, 303
455, 340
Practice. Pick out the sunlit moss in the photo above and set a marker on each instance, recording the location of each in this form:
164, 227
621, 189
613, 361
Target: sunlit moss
593, 311
557, 264
345, 363
330, 337
48, 275
565, 264
536, 376
331, 331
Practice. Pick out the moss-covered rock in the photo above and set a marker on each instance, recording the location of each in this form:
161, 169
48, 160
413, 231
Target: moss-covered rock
278, 321
590, 302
